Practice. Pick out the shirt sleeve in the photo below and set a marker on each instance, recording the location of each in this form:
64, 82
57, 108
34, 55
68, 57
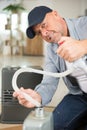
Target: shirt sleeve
81, 27
49, 84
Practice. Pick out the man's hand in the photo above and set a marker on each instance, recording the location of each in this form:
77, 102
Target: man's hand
23, 101
71, 49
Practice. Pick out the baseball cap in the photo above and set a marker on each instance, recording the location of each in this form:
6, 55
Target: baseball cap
36, 16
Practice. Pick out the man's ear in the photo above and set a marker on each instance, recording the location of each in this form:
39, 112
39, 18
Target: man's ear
55, 13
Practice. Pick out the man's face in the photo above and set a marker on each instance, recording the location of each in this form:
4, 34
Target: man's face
51, 28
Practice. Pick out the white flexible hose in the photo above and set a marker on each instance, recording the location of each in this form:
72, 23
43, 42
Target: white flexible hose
19, 71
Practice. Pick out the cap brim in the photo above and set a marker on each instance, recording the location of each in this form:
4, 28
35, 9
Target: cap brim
30, 33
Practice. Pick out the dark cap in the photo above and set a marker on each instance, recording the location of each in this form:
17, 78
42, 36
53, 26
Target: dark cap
35, 17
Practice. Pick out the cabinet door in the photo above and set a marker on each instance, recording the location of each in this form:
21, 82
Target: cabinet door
34, 46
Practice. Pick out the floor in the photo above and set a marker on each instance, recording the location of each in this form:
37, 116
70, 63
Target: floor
21, 60
31, 61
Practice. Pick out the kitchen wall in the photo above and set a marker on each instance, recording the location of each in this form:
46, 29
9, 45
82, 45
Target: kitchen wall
67, 8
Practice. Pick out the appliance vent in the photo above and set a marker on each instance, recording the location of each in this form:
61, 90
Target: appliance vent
7, 96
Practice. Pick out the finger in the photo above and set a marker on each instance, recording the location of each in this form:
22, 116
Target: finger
26, 103
26, 90
63, 39
15, 94
22, 101
60, 50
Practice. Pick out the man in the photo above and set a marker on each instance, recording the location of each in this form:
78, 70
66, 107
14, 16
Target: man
67, 42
